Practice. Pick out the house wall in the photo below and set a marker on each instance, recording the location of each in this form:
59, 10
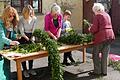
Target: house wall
77, 12
1, 7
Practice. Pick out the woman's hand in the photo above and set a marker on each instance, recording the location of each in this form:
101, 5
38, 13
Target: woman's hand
18, 36
14, 43
55, 38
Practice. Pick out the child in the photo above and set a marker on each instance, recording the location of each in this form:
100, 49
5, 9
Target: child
66, 25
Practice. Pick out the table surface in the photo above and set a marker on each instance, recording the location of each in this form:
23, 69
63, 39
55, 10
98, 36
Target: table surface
63, 48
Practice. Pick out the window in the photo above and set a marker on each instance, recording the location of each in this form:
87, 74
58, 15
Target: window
19, 4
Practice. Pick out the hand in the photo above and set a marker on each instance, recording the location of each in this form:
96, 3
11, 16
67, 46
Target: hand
55, 38
14, 43
18, 36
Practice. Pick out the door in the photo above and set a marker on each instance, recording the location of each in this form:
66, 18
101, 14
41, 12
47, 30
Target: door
115, 11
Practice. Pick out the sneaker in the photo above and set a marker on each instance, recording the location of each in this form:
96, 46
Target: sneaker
32, 72
26, 74
67, 64
94, 74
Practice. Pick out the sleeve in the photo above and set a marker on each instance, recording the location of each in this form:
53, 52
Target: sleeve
95, 25
3, 38
21, 27
60, 21
46, 23
63, 26
34, 24
13, 35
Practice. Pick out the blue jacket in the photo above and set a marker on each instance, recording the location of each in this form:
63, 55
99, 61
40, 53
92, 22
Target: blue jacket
3, 38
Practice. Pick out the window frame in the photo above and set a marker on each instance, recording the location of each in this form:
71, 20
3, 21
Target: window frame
21, 5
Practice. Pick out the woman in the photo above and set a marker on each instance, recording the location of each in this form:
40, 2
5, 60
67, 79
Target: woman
27, 25
9, 18
103, 36
53, 22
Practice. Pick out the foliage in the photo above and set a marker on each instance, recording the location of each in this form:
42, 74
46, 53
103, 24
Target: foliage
51, 46
71, 37
66, 4
86, 23
27, 48
74, 38
115, 64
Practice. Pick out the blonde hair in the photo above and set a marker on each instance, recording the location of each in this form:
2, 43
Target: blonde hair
55, 8
28, 11
67, 12
98, 7
6, 15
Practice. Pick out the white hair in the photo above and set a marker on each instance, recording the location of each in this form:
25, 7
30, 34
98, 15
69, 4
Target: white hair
98, 7
55, 8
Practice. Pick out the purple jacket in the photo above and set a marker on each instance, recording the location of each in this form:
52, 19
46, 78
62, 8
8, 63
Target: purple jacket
102, 28
49, 25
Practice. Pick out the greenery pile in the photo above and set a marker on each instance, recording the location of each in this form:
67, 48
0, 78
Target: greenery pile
74, 38
27, 48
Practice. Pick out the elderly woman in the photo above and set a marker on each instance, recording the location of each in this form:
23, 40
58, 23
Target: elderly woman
103, 35
9, 18
53, 22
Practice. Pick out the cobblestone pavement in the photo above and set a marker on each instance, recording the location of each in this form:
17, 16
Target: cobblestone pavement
73, 72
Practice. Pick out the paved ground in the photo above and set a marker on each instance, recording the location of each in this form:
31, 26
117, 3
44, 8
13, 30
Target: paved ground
73, 72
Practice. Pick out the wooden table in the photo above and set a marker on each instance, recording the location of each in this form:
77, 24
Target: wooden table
40, 54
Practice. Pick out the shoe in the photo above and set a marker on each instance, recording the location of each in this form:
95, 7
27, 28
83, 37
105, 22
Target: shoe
103, 74
67, 64
26, 74
72, 63
32, 72
93, 73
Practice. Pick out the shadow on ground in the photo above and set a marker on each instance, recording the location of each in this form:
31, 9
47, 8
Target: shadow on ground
44, 74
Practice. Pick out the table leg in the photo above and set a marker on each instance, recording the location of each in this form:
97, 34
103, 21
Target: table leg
84, 55
19, 72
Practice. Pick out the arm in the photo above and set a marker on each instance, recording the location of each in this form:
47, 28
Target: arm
60, 26
34, 24
46, 28
59, 33
94, 27
21, 28
4, 39
51, 35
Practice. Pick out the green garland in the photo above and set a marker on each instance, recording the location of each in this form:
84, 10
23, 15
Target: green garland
51, 47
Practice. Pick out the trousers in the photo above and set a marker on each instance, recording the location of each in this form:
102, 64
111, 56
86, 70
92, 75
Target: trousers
100, 62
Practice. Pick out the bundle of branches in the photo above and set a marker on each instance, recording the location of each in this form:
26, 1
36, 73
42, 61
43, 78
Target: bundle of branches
51, 47
86, 23
27, 48
75, 38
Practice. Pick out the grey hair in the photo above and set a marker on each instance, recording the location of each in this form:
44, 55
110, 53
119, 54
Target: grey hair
55, 8
98, 7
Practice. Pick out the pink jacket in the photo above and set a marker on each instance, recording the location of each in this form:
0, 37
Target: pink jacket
102, 28
49, 25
